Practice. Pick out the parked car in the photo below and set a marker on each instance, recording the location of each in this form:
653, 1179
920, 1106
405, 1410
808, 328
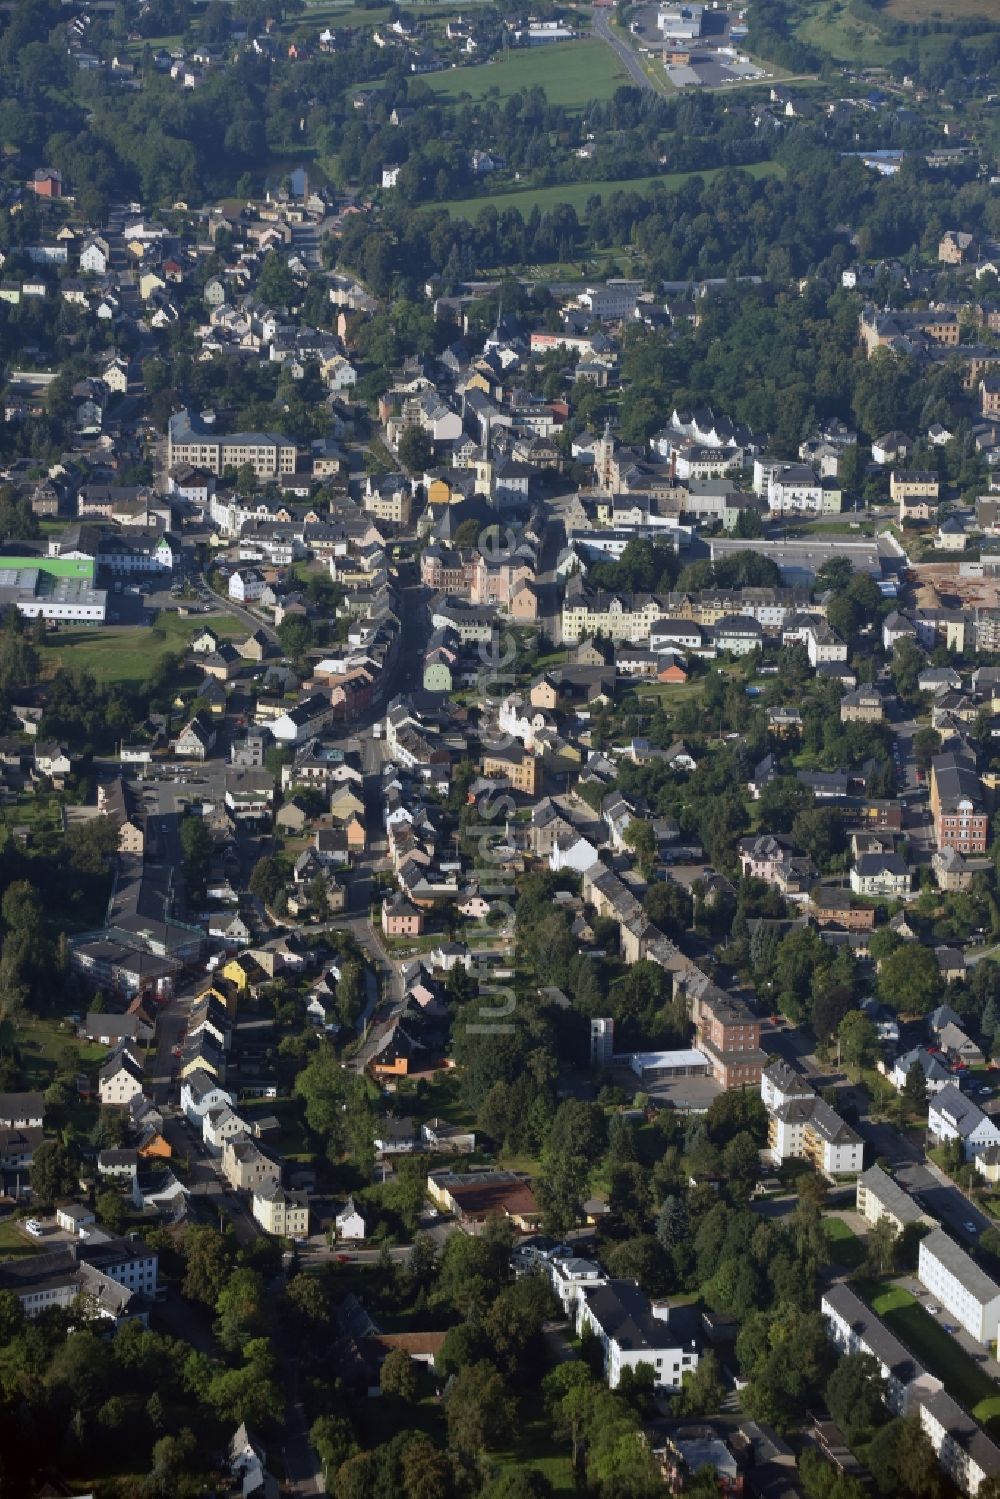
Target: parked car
970, 1227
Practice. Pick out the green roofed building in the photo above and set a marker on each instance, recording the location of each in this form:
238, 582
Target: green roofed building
81, 568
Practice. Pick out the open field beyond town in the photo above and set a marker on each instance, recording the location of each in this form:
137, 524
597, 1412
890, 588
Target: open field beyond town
834, 29
915, 11
577, 193
571, 73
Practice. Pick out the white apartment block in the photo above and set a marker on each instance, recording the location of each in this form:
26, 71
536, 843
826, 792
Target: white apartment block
632, 1331
965, 1290
961, 1446
781, 1084
569, 1277
855, 1328
808, 1129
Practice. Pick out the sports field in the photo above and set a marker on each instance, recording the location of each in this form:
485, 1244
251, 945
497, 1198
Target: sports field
571, 73
577, 193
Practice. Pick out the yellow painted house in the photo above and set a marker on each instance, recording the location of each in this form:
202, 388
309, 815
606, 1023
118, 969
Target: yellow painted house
228, 991
440, 491
148, 283
202, 1063
345, 803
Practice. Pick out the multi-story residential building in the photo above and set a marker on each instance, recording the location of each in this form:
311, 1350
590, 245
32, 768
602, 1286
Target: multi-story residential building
781, 1084
388, 497
738, 635
588, 612
961, 1446
247, 1166
880, 1197
863, 705
808, 1129
964, 1289
200, 1093
569, 1277
963, 1449
885, 875
795, 489
120, 1079
823, 644
728, 1033
936, 1076
445, 570
911, 488
882, 329
761, 857
521, 768
961, 820
193, 441
632, 1331
952, 1116
855, 1328
117, 801
285, 1214
400, 917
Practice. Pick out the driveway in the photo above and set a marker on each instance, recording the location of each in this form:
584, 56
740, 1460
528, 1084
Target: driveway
965, 1341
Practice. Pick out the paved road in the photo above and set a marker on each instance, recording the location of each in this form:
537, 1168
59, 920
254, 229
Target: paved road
205, 1180
563, 513
227, 606
944, 1200
303, 1469
602, 28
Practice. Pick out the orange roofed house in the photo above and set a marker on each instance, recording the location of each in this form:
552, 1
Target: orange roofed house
476, 1196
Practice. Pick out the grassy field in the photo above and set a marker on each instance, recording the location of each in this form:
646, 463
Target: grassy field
13, 1242
833, 30
577, 193
915, 11
845, 1247
128, 654
927, 1339
571, 73
535, 1448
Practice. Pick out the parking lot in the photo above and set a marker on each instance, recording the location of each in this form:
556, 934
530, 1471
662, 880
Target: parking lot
690, 1095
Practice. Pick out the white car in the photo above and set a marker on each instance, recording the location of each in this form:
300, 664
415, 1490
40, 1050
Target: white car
33, 1227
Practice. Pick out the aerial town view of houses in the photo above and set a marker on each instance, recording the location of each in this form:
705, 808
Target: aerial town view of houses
500, 749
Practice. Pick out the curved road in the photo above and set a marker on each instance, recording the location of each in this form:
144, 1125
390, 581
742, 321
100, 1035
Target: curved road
602, 28
229, 606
